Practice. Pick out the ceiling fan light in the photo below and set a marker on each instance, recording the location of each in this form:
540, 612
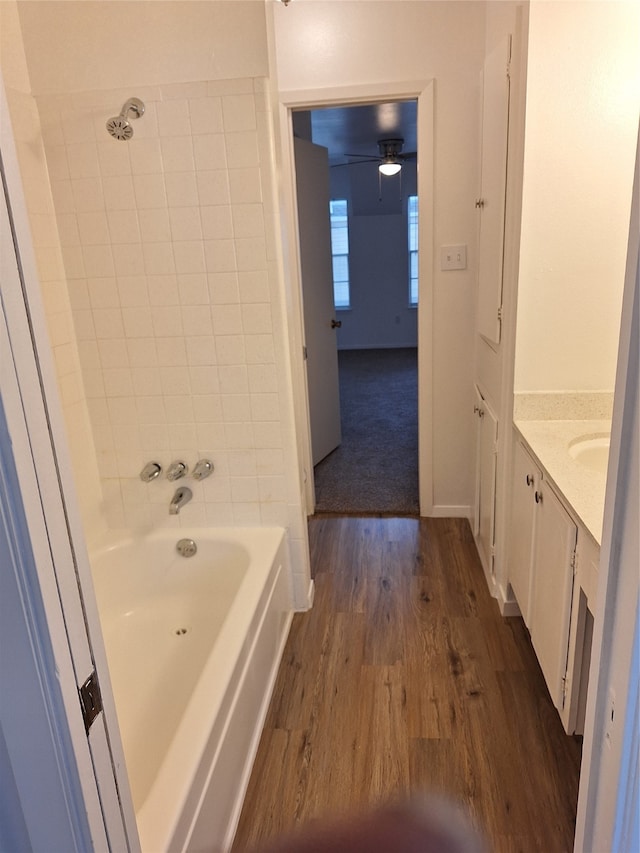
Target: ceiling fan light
390, 168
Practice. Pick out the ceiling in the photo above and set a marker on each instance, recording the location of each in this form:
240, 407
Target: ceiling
356, 130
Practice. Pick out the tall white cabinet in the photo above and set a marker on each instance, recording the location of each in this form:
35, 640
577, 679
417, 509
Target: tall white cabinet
491, 203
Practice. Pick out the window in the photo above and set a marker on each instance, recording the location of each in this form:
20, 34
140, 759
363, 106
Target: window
412, 224
340, 251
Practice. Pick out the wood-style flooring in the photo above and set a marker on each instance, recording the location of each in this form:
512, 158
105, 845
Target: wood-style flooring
404, 678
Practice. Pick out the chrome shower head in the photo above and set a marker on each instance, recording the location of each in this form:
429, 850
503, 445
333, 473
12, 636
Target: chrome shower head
119, 126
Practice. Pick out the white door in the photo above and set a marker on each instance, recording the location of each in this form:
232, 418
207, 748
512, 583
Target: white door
312, 180
526, 477
70, 625
486, 481
555, 544
495, 129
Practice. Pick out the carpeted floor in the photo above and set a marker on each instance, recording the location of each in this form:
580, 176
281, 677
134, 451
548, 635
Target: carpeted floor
375, 469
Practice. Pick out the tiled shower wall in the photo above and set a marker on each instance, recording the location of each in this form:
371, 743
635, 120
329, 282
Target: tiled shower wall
170, 265
55, 301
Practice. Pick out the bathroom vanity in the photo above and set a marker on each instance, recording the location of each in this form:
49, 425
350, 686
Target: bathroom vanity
557, 498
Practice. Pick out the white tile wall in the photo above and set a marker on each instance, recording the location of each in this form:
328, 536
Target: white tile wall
48, 233
167, 259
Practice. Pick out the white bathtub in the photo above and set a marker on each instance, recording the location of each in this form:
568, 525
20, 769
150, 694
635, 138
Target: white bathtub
193, 646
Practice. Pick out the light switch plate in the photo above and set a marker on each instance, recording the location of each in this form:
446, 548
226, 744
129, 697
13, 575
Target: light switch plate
453, 257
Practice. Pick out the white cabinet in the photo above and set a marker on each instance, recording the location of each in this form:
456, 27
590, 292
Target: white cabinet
486, 467
491, 204
581, 632
554, 546
542, 547
526, 478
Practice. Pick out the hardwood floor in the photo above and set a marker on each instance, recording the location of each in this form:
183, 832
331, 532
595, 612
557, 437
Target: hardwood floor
404, 678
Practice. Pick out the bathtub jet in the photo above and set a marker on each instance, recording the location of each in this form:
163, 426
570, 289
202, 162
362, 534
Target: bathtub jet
181, 497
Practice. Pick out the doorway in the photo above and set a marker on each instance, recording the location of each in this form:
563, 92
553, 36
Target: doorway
375, 468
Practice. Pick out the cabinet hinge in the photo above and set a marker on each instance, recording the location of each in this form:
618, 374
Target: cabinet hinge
90, 700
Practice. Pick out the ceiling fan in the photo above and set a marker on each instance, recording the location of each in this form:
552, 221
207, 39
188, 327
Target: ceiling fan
390, 159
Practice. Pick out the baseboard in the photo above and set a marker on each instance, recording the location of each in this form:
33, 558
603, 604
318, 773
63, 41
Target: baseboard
311, 594
449, 511
353, 347
508, 606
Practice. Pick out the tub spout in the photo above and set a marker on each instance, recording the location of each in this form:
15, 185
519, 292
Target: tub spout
182, 496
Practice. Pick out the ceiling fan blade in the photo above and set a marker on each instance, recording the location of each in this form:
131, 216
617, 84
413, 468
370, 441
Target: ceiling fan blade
357, 162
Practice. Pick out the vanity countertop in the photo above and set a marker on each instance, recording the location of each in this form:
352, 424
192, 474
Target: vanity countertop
582, 487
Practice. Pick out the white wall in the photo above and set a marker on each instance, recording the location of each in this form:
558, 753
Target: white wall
325, 44
583, 90
106, 44
379, 315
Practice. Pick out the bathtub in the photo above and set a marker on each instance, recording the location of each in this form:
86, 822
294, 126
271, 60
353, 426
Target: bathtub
193, 646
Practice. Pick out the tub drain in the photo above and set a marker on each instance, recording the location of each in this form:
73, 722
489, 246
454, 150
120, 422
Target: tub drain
186, 547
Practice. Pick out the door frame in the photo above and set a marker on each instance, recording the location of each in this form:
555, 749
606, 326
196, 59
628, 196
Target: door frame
423, 91
64, 596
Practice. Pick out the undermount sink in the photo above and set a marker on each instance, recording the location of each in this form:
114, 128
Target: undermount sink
592, 451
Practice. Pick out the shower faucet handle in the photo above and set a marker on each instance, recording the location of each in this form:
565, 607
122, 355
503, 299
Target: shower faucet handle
176, 470
202, 469
150, 471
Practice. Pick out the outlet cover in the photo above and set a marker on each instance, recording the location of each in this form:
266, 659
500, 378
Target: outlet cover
453, 257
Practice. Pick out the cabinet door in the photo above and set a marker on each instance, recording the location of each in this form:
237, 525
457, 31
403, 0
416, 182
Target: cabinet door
526, 478
554, 549
495, 129
486, 483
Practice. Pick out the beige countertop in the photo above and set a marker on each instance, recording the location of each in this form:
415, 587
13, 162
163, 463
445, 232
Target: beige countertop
582, 488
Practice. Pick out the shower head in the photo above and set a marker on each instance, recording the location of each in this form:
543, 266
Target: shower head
119, 126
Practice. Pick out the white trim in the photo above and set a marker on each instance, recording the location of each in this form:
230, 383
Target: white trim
38, 681
451, 511
423, 92
43, 622
602, 788
55, 527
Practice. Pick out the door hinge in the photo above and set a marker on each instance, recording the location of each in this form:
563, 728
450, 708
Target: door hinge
90, 700
565, 689
574, 563
500, 314
304, 353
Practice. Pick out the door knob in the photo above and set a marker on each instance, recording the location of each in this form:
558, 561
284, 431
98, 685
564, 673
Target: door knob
336, 324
